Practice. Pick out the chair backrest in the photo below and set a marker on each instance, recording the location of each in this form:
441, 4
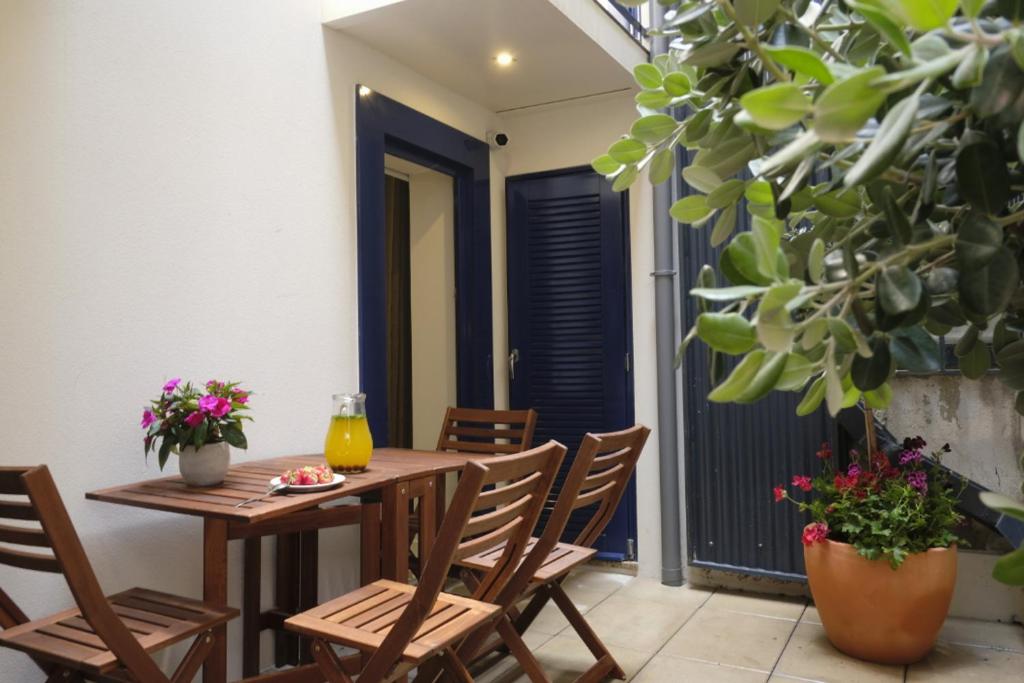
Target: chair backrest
493, 504
473, 430
57, 533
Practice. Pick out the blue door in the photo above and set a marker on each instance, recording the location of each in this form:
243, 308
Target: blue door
569, 318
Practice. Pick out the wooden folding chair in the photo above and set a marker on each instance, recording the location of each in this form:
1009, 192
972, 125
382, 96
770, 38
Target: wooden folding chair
465, 430
403, 627
595, 485
105, 638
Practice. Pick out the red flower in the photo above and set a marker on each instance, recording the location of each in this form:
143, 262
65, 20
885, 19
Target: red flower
826, 451
780, 493
844, 483
802, 482
815, 533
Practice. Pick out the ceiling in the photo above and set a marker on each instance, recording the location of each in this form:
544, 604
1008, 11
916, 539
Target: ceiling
454, 42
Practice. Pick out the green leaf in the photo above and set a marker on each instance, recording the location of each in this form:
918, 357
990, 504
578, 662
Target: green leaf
798, 370
653, 99
740, 259
725, 194
846, 106
971, 8
970, 71
978, 240
199, 436
915, 350
1009, 568
802, 61
677, 84
625, 179
605, 165
1020, 142
879, 399
986, 291
724, 225
868, 374
986, 185
1004, 504
814, 332
701, 179
627, 151
661, 166
726, 332
976, 362
883, 22
766, 378
234, 436
838, 203
834, 392
1010, 360
767, 237
924, 15
653, 127
712, 54
885, 147
165, 451
647, 76
896, 220
813, 398
998, 95
727, 293
755, 12
692, 209
899, 289
739, 379
759, 192
777, 106
816, 261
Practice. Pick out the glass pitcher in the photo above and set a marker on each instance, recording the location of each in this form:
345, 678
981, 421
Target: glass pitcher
348, 446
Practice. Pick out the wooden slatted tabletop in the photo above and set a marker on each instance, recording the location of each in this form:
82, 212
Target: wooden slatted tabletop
250, 479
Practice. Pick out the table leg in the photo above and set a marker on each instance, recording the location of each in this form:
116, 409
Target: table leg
369, 542
309, 542
286, 597
251, 610
395, 532
428, 520
215, 591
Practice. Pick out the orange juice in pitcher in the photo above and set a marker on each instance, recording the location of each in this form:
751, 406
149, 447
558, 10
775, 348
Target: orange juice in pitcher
348, 446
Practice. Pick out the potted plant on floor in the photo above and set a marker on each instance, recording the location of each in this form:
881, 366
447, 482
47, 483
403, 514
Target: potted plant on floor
880, 551
199, 426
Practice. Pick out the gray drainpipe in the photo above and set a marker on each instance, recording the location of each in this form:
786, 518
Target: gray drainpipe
665, 317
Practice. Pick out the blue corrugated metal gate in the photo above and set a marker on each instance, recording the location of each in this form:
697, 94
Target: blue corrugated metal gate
735, 454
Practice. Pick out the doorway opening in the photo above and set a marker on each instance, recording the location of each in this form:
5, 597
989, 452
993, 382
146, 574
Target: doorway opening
419, 223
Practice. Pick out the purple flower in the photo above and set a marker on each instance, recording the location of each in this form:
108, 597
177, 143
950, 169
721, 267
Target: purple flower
911, 456
918, 480
194, 418
148, 418
854, 470
216, 406
172, 385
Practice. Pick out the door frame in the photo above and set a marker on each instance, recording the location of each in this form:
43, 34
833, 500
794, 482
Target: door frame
385, 126
629, 498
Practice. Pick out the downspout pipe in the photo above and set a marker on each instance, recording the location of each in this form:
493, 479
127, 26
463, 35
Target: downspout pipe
665, 339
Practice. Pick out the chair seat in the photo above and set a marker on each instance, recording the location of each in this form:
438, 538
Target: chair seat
562, 559
362, 618
155, 619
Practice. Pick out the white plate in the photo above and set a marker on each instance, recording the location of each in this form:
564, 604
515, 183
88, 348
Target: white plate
311, 488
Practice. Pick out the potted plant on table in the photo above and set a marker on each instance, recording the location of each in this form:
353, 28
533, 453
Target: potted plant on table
880, 551
199, 426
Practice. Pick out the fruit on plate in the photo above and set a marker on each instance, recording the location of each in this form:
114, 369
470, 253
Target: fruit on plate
309, 475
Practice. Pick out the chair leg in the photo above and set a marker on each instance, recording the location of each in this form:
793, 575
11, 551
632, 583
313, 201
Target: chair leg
454, 666
194, 658
532, 609
60, 674
521, 652
330, 665
586, 634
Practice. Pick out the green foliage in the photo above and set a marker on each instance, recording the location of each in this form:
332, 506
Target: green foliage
877, 147
886, 506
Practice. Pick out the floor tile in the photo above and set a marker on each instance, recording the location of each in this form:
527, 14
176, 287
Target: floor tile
720, 636
811, 615
663, 668
962, 664
552, 622
642, 625
654, 590
765, 606
565, 657
983, 634
592, 582
809, 655
507, 669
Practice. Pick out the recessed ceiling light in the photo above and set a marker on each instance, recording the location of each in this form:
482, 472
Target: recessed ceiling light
364, 91
504, 59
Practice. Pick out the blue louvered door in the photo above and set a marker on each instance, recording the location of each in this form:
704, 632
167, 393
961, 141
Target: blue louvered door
569, 318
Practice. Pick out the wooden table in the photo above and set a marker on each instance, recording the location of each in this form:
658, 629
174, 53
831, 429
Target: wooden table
386, 487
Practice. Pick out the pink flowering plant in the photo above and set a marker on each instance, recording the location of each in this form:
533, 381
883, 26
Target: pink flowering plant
185, 415
886, 507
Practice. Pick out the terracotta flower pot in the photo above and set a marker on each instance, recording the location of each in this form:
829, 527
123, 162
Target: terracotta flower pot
873, 612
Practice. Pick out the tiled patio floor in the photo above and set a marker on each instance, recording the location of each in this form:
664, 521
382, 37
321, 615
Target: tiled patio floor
696, 635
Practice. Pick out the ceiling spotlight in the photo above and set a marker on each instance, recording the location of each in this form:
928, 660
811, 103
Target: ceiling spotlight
364, 91
504, 59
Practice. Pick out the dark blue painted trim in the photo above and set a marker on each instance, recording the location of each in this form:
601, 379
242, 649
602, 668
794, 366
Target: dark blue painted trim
384, 126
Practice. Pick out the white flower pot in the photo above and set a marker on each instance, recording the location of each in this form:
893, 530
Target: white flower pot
206, 465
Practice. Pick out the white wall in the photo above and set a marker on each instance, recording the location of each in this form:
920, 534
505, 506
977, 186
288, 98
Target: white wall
432, 284
177, 197
569, 135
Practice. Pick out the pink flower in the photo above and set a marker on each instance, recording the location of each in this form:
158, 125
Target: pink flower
217, 406
194, 418
241, 396
172, 385
802, 482
148, 418
853, 471
908, 457
780, 493
815, 533
918, 480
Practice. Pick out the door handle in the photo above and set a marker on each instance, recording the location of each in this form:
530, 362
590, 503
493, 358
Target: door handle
513, 358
